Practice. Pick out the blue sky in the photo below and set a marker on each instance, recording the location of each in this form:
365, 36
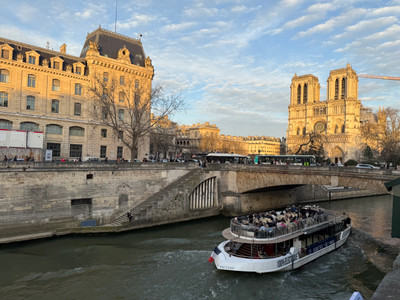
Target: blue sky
232, 60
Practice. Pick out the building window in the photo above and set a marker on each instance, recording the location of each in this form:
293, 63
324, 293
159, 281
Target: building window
105, 77
76, 131
30, 103
304, 131
31, 80
4, 124
336, 89
53, 129
136, 84
299, 94
344, 86
29, 126
104, 113
121, 114
78, 89
4, 75
75, 150
122, 80
56, 65
55, 106
305, 90
5, 53
120, 135
77, 109
3, 99
343, 128
32, 60
119, 152
78, 70
121, 97
56, 85
104, 133
56, 149
103, 151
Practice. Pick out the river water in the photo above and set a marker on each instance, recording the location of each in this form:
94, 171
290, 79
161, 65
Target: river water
170, 262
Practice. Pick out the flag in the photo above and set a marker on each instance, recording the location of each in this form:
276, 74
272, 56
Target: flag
214, 254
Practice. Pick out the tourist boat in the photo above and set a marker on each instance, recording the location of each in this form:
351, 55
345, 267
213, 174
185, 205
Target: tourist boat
280, 240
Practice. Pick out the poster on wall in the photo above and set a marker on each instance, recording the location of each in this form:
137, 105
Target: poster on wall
48, 155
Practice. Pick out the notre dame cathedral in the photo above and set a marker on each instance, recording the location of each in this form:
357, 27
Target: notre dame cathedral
334, 123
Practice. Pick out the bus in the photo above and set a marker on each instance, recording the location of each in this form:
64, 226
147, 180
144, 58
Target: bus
301, 160
226, 158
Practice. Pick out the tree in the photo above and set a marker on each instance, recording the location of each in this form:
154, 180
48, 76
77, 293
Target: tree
383, 135
162, 140
310, 140
368, 155
127, 108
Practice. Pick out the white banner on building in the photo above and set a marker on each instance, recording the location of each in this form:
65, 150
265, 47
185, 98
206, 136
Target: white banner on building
49, 155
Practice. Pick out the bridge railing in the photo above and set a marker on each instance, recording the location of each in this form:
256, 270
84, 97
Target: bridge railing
252, 231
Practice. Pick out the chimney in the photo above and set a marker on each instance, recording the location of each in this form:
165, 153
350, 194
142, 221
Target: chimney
63, 48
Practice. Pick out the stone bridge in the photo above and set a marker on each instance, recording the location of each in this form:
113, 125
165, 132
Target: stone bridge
52, 199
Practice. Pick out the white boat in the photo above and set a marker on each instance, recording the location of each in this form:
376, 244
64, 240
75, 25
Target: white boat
280, 241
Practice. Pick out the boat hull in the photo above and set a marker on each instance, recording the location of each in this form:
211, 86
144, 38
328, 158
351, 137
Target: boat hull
288, 262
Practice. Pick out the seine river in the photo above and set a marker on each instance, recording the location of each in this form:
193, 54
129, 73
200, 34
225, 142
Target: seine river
170, 262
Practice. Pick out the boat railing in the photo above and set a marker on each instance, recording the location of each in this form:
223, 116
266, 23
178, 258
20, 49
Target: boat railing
252, 231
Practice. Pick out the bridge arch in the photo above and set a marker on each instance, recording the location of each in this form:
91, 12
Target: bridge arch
204, 195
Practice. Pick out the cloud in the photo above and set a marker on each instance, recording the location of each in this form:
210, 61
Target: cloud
342, 20
136, 21
200, 10
179, 27
92, 10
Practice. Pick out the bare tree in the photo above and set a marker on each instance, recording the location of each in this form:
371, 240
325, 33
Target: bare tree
162, 140
127, 108
311, 138
383, 136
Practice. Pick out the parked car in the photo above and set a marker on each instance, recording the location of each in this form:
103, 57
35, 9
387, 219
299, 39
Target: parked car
366, 166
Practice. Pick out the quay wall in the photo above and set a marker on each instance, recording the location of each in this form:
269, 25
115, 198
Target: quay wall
38, 197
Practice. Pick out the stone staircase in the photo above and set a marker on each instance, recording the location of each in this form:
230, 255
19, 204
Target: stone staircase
142, 212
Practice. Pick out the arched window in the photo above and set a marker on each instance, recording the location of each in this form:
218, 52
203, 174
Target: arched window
121, 114
30, 102
121, 96
78, 89
53, 129
56, 85
3, 99
299, 94
29, 126
55, 106
31, 80
336, 89
343, 128
304, 131
305, 91
344, 88
336, 129
76, 131
5, 124
77, 109
298, 131
4, 75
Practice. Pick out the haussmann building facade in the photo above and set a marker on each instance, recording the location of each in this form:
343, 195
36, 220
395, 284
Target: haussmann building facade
45, 91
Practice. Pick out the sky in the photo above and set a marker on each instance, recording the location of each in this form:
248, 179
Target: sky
232, 60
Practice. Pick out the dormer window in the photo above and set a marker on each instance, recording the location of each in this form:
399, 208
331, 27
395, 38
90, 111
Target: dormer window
32, 57
79, 68
6, 51
56, 63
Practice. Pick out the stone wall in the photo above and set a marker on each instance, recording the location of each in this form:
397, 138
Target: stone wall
37, 198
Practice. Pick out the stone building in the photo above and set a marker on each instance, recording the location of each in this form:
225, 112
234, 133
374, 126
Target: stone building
205, 138
334, 123
47, 91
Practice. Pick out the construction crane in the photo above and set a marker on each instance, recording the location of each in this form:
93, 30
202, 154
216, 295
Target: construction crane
378, 77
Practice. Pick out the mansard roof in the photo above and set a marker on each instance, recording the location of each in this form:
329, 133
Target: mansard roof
110, 43
22, 48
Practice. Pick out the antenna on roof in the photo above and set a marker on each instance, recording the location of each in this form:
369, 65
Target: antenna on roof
140, 36
116, 5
